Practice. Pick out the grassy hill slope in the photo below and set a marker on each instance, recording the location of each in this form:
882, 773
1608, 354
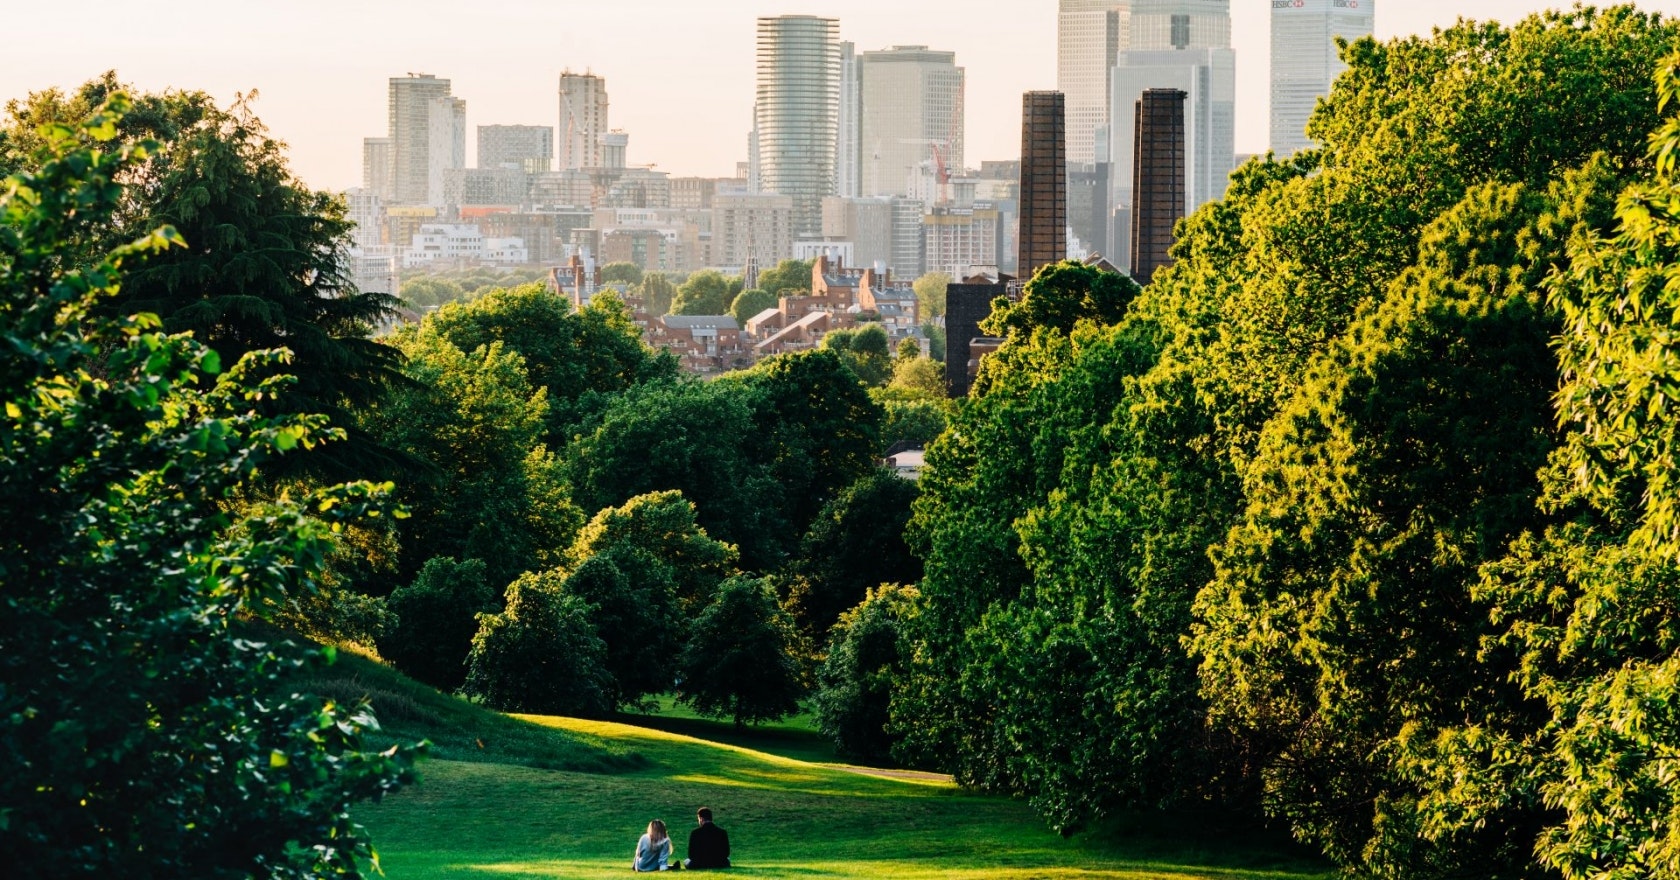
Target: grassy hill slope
786, 818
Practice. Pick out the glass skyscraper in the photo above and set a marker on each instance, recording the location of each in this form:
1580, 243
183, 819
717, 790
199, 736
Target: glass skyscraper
797, 114
1305, 60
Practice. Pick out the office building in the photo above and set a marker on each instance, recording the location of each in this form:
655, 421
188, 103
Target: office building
529, 148
583, 120
1183, 45
1158, 178
411, 116
796, 115
1305, 60
1043, 208
848, 145
1208, 77
1087, 38
912, 118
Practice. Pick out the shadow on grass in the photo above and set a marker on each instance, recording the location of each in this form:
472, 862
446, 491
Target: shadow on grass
783, 741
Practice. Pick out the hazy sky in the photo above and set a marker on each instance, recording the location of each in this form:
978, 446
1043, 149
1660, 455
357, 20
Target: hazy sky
679, 72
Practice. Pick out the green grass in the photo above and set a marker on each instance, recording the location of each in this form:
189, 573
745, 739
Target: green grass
409, 711
793, 737
786, 818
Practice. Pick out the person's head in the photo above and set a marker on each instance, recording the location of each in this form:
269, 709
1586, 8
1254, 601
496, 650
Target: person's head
703, 815
656, 831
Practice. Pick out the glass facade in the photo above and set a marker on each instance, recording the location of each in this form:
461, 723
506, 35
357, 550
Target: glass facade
912, 117
1305, 60
797, 113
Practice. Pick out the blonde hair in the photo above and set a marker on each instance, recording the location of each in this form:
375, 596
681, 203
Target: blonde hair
656, 831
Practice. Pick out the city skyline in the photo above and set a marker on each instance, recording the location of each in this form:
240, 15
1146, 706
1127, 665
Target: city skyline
682, 88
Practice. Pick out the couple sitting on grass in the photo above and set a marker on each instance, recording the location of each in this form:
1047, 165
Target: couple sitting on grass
708, 847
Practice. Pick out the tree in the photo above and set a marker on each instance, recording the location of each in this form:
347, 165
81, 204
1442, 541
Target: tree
915, 421
738, 662
908, 350
749, 303
436, 619
147, 732
657, 294
645, 569
540, 654
918, 378
930, 293
427, 292
787, 278
867, 653
706, 292
856, 543
491, 490
621, 273
865, 350
263, 267
815, 431
700, 439
580, 357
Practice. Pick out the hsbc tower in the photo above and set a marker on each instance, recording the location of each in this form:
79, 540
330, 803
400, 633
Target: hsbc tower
1305, 61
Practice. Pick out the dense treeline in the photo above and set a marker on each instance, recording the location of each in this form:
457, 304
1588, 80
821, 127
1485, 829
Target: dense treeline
1358, 516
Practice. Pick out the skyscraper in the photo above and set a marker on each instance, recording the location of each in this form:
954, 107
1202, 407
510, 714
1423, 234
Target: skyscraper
848, 145
1305, 60
1182, 45
797, 113
410, 118
583, 119
912, 116
1087, 38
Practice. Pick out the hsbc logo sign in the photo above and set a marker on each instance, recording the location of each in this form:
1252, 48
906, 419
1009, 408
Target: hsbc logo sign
1301, 4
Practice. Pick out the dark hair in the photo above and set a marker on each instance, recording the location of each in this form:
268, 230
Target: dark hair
704, 813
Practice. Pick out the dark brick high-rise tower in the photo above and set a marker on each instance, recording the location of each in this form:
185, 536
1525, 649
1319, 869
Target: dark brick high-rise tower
1157, 179
1043, 233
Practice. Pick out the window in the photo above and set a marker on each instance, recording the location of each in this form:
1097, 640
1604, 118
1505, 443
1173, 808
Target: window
1180, 31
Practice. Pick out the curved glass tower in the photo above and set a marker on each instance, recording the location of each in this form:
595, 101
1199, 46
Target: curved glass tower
797, 116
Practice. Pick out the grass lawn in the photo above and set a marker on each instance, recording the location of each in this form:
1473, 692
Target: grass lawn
786, 818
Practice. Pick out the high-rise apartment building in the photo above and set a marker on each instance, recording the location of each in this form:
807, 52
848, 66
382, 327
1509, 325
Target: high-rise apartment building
446, 147
1305, 60
912, 117
530, 148
376, 167
411, 134
848, 145
752, 229
797, 113
583, 120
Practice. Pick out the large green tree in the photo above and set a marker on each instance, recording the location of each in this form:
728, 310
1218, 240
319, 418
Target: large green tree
264, 262
707, 292
144, 731
738, 662
581, 357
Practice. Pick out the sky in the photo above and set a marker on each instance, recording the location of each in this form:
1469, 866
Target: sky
680, 73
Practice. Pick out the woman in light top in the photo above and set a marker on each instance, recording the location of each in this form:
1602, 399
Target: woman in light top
653, 851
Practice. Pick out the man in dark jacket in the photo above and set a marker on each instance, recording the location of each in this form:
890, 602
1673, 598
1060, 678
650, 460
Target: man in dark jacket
708, 845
